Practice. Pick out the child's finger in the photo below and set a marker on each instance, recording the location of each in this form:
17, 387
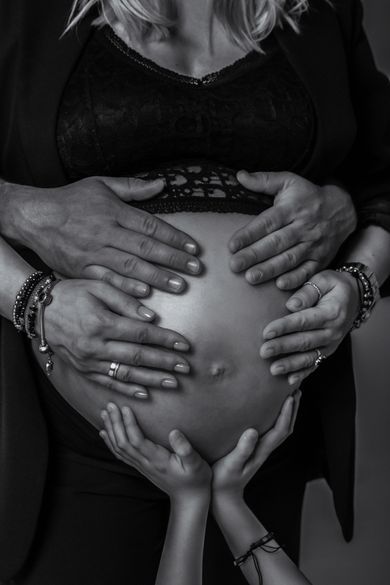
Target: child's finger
297, 399
107, 440
118, 427
277, 434
133, 431
243, 450
104, 435
109, 430
183, 448
145, 447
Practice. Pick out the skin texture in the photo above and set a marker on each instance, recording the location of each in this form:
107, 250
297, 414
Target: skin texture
230, 387
192, 486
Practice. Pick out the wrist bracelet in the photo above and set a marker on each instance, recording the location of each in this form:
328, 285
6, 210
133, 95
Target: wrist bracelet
44, 299
368, 289
22, 298
33, 308
264, 545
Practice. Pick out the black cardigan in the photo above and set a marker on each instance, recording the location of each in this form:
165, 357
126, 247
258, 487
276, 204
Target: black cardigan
352, 103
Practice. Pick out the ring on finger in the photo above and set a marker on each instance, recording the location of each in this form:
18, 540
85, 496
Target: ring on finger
316, 288
113, 371
320, 358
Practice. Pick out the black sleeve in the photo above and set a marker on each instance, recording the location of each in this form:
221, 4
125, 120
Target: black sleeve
366, 171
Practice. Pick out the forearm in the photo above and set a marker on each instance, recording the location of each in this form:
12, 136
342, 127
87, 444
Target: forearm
241, 528
371, 246
13, 272
182, 556
15, 212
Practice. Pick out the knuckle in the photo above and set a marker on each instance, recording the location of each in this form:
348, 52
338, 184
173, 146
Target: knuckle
149, 225
145, 247
277, 242
126, 375
142, 335
304, 344
130, 265
291, 258
83, 349
121, 443
137, 358
110, 384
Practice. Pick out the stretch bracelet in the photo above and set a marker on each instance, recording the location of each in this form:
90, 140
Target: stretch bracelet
33, 300
368, 289
264, 545
22, 298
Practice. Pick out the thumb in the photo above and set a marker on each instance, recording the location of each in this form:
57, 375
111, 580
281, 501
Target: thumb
244, 449
132, 188
267, 183
182, 447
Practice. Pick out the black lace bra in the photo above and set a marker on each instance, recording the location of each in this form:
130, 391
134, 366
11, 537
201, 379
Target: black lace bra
121, 114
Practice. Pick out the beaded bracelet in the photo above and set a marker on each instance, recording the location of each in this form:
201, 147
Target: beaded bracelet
368, 290
33, 308
22, 298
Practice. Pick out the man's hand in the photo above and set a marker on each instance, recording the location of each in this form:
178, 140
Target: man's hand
297, 237
89, 229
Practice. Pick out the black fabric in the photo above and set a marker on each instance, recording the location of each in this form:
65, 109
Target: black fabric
334, 61
121, 114
91, 515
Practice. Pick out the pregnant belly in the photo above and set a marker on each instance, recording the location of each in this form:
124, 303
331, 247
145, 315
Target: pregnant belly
230, 387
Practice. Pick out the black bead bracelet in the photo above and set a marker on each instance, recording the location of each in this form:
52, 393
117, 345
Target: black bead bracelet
22, 298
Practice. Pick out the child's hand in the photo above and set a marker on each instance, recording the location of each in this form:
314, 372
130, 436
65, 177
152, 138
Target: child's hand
232, 473
181, 473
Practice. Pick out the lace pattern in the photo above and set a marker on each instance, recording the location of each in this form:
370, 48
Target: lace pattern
201, 186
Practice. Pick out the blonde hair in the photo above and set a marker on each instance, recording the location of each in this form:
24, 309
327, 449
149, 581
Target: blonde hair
247, 22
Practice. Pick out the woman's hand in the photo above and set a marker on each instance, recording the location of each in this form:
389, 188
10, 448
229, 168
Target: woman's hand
91, 324
314, 325
297, 237
233, 472
181, 473
88, 230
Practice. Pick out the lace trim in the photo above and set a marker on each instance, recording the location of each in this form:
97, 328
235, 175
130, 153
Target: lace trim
202, 186
154, 67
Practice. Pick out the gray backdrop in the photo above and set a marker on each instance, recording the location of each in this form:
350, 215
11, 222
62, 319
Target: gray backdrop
326, 558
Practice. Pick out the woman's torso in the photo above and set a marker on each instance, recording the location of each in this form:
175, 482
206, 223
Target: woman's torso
255, 114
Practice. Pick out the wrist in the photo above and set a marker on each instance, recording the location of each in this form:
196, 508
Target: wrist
16, 214
191, 501
224, 501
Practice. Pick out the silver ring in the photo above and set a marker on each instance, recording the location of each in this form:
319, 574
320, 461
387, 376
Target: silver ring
316, 288
113, 371
320, 358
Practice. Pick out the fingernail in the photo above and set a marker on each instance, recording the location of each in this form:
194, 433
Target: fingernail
102, 434
146, 313
169, 383
237, 264
176, 284
278, 369
254, 277
269, 351
125, 411
111, 407
296, 304
182, 368
104, 414
142, 395
190, 248
142, 289
269, 335
293, 380
193, 266
181, 346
